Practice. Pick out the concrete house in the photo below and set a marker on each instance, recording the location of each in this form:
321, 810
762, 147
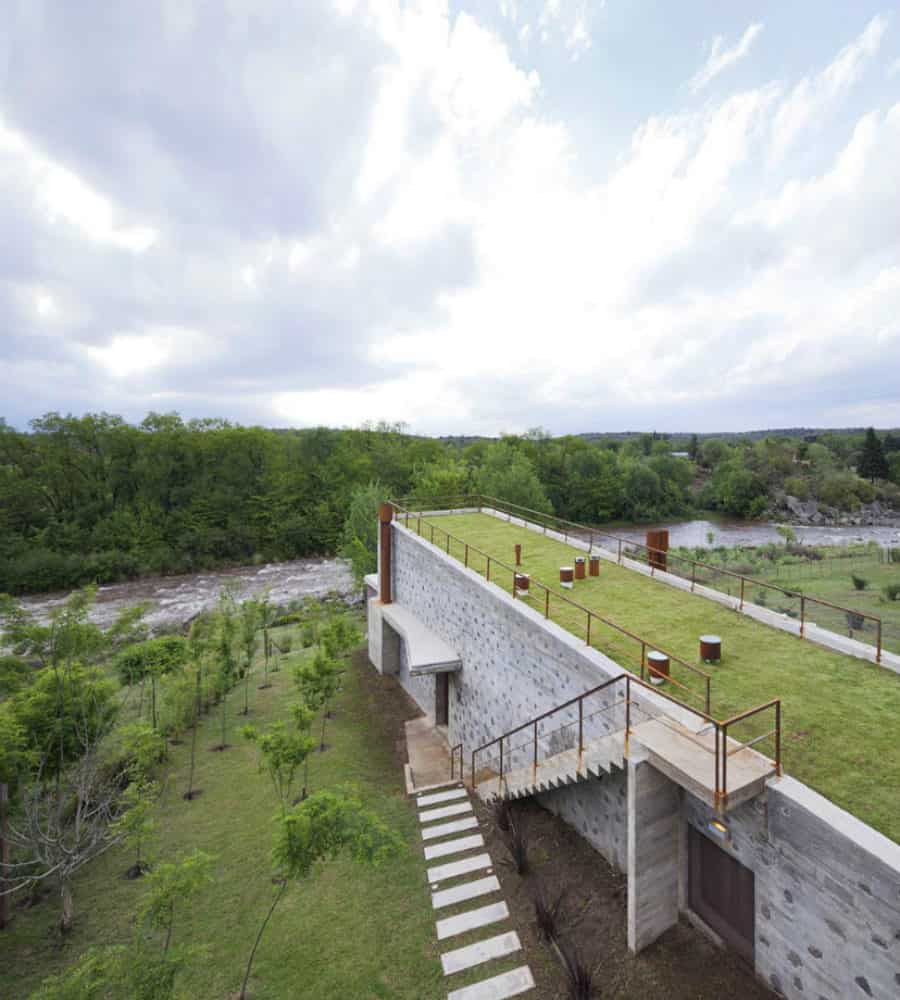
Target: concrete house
808, 894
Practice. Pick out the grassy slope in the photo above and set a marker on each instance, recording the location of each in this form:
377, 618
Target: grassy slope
349, 932
840, 715
831, 579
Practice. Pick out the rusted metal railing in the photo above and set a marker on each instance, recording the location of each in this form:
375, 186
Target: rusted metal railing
644, 668
624, 548
722, 748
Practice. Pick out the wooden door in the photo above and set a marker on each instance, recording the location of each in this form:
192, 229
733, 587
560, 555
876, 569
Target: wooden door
441, 699
722, 892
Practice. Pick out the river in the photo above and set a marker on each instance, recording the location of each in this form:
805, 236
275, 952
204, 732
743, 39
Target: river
733, 532
174, 600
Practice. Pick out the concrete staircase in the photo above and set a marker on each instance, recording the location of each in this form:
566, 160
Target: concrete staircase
599, 757
463, 874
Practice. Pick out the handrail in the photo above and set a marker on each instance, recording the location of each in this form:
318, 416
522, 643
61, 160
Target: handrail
591, 615
720, 751
695, 563
621, 542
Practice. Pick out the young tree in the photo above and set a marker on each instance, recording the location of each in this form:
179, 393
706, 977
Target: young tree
250, 623
282, 751
303, 717
872, 463
325, 825
171, 885
136, 824
318, 682
359, 541
267, 614
227, 660
199, 641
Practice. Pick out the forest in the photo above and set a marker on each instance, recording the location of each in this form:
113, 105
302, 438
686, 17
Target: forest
95, 499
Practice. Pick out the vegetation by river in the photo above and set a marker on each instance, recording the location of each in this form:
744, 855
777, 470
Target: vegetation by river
95, 499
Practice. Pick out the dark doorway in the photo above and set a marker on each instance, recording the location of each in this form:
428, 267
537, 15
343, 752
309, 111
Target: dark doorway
722, 892
441, 699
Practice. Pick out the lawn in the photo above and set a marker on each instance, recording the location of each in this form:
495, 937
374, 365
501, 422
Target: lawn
840, 715
348, 932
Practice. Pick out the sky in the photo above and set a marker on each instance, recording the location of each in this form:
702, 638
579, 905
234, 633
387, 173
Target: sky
471, 218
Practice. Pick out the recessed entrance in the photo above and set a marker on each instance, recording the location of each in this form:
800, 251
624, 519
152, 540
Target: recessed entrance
722, 892
441, 699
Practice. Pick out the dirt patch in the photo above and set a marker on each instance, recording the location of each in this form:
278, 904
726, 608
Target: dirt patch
682, 965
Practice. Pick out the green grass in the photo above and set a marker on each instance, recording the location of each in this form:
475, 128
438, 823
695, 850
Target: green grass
348, 932
840, 715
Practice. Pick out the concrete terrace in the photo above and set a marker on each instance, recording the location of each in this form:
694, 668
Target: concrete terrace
840, 714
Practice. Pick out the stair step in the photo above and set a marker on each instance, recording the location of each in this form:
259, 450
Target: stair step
481, 951
471, 920
453, 869
454, 847
429, 815
432, 800
468, 890
507, 984
444, 829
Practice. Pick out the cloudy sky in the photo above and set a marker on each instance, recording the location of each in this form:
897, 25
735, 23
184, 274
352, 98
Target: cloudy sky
470, 217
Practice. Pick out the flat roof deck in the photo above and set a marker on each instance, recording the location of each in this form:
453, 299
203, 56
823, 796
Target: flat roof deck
841, 715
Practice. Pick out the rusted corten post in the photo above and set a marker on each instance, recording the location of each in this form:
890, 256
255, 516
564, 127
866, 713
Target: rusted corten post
385, 516
4, 856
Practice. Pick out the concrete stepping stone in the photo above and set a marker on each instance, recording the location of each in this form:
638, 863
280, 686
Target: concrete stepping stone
432, 800
471, 920
468, 890
507, 984
454, 847
444, 812
453, 869
445, 829
482, 951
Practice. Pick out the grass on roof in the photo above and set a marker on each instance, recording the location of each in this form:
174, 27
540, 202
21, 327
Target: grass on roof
840, 715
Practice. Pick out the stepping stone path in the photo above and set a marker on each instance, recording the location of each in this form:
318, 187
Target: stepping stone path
449, 833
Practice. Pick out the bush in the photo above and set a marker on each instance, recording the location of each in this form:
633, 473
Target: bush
14, 674
157, 656
891, 591
859, 582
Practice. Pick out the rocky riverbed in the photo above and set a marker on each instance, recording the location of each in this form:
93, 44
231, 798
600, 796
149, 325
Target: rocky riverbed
175, 600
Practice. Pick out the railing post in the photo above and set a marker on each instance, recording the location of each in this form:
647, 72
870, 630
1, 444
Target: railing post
878, 652
802, 615
467, 555
448, 543
419, 528
778, 737
432, 534
627, 711
693, 575
591, 542
717, 793
580, 730
547, 603
742, 593
514, 584
643, 658
725, 765
385, 516
589, 628
500, 783
620, 552
488, 569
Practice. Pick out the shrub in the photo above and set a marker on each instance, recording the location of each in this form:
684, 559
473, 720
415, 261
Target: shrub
500, 807
547, 911
579, 975
894, 556
859, 582
891, 591
517, 844
154, 656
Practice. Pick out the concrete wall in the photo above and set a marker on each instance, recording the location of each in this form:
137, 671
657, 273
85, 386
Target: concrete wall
827, 885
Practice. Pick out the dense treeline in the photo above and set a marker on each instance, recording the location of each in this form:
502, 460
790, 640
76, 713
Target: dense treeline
95, 499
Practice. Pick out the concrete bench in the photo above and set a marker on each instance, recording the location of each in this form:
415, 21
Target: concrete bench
427, 652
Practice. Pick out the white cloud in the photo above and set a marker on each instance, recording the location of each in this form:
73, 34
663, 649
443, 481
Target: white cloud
813, 95
61, 194
128, 354
720, 58
894, 69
